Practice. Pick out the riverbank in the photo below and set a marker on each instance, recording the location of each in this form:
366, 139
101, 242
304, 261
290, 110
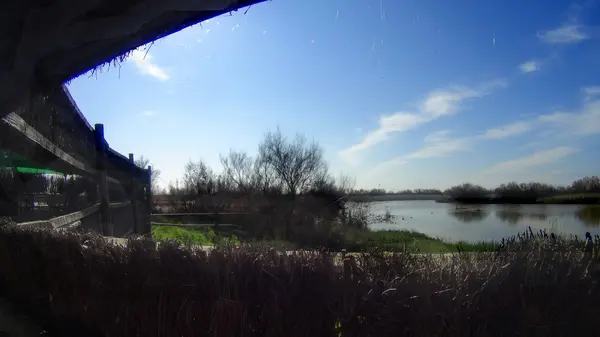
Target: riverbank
355, 241
563, 199
394, 197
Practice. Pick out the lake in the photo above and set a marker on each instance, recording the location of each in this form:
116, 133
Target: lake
483, 222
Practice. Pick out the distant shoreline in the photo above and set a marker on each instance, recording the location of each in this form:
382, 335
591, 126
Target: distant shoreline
565, 199
395, 197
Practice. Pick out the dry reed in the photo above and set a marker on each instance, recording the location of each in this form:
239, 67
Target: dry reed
79, 284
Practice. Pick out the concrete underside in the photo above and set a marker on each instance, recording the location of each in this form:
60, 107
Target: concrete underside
45, 43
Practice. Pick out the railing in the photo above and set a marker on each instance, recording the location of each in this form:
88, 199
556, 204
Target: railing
101, 189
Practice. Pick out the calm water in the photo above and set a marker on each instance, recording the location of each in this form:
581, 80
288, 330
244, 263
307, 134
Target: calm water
483, 222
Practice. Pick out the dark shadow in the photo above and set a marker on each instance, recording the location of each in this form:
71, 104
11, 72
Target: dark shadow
513, 215
589, 215
469, 214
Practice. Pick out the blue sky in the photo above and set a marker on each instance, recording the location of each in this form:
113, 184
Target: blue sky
401, 94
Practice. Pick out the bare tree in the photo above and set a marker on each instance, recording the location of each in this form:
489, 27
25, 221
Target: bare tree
324, 182
264, 177
143, 162
296, 163
586, 184
345, 183
176, 196
198, 178
467, 190
238, 170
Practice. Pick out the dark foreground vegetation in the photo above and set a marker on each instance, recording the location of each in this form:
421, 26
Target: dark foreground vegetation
80, 285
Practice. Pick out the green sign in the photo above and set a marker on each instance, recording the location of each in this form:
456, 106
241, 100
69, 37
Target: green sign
22, 163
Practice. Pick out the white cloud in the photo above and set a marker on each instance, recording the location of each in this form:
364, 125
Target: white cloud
436, 145
443, 103
529, 66
591, 92
582, 123
533, 145
536, 159
447, 102
437, 136
565, 34
441, 149
555, 117
387, 166
508, 130
437, 104
148, 113
143, 62
398, 122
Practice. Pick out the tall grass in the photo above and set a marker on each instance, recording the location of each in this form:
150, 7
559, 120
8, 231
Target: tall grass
79, 284
412, 241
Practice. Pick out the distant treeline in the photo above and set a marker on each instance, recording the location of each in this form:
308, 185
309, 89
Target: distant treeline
283, 168
381, 192
584, 190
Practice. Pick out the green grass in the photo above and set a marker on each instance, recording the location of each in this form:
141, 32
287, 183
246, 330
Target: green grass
401, 240
191, 236
389, 240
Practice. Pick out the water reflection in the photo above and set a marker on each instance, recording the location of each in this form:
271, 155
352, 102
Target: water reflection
469, 214
514, 215
589, 215
486, 222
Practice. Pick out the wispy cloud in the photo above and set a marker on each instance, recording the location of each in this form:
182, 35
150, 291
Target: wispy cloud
565, 34
582, 123
398, 122
143, 62
446, 102
591, 92
508, 130
536, 159
436, 145
437, 104
148, 113
534, 144
438, 136
530, 66
387, 166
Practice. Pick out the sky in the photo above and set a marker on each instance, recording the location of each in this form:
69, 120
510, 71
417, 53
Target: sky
400, 94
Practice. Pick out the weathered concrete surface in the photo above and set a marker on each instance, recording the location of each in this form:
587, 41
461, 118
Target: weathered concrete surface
45, 43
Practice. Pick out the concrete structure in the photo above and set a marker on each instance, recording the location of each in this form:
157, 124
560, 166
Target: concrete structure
46, 43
